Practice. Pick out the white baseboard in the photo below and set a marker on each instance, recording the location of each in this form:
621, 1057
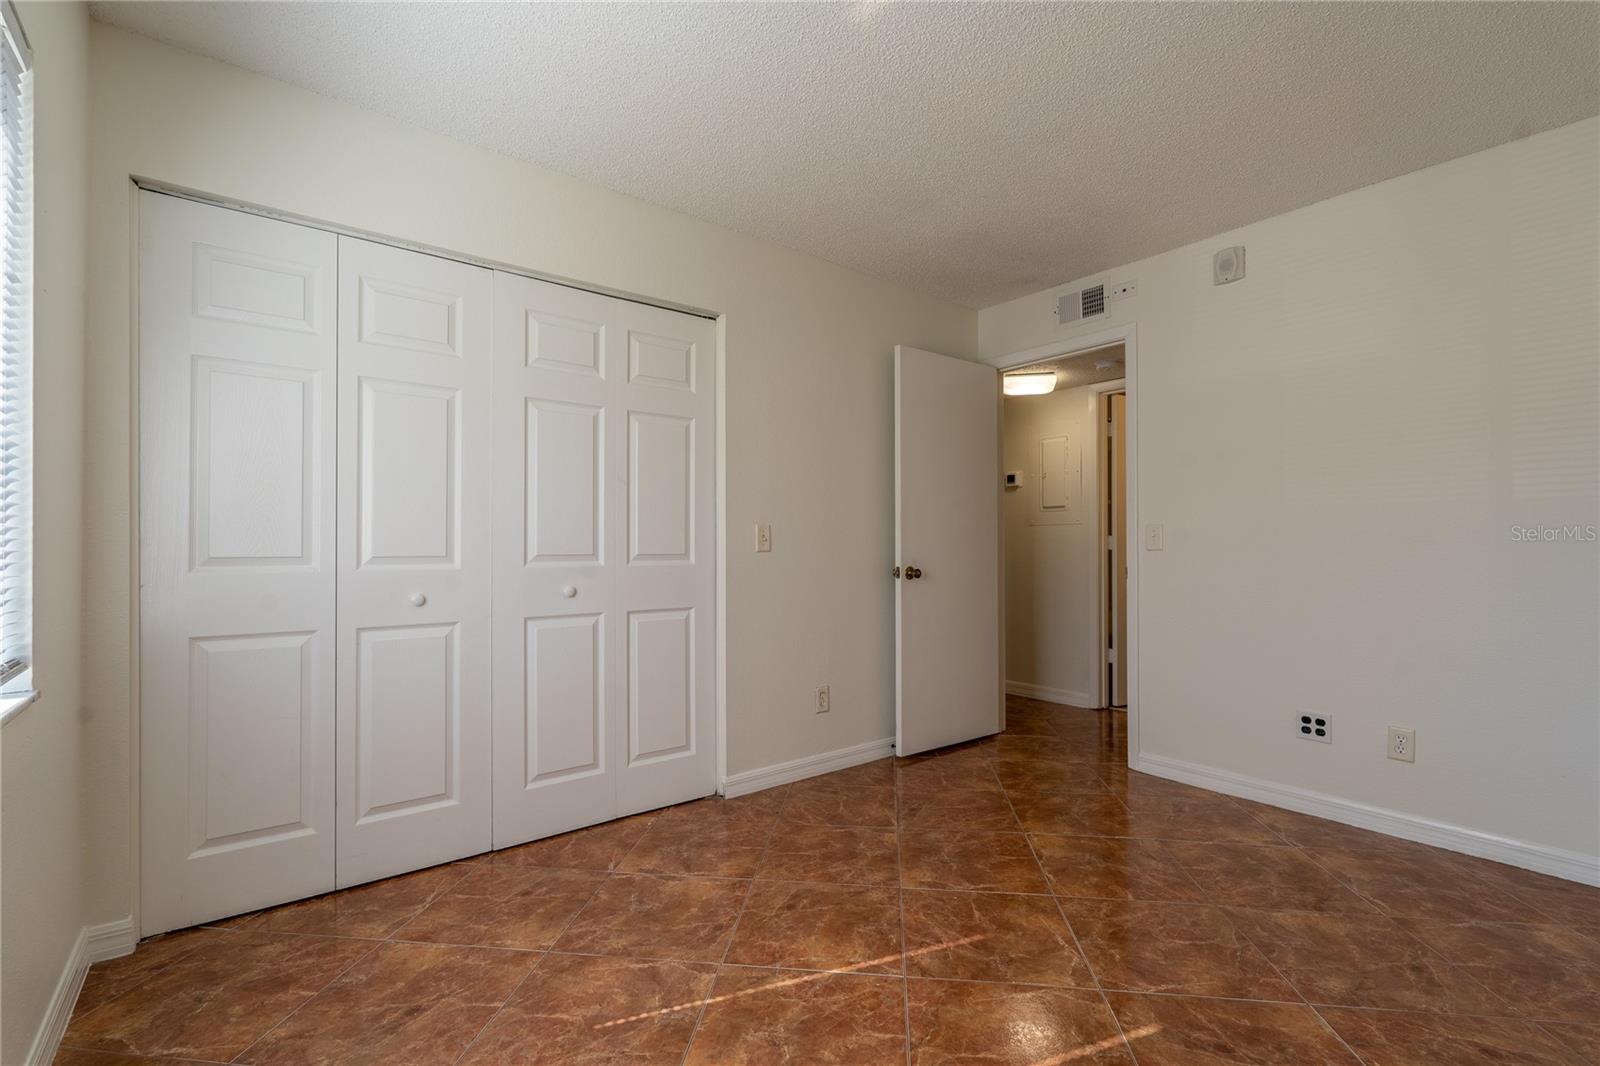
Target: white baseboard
111, 940
95, 943
1053, 695
1557, 862
741, 784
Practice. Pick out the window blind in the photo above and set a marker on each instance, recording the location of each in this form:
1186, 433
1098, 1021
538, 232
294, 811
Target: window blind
16, 359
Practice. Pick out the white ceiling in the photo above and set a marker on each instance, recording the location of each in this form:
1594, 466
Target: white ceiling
974, 151
1081, 368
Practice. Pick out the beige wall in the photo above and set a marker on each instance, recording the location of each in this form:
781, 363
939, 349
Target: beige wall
42, 905
808, 379
1339, 446
1052, 568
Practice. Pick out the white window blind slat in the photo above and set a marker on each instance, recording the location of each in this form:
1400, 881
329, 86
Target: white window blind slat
16, 360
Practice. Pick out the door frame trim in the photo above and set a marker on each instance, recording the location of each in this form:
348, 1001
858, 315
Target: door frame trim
137, 184
1103, 391
1125, 334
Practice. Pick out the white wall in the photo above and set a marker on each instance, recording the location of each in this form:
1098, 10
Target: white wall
808, 392
42, 905
1052, 567
1338, 446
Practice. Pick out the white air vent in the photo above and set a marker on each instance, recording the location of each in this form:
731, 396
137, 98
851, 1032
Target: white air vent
1094, 301
1076, 306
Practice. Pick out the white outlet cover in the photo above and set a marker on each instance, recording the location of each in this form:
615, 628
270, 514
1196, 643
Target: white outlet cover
1402, 744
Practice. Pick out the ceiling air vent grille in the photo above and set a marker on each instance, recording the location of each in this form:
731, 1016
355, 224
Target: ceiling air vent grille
1094, 301
1076, 306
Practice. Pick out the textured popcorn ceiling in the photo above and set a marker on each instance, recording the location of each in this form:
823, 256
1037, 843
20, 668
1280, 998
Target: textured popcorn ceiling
974, 151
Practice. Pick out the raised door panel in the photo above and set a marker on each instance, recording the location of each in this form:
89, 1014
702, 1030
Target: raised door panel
661, 685
257, 464
661, 482
416, 441
396, 315
565, 466
408, 715
251, 716
409, 494
665, 362
237, 588
564, 343
233, 285
564, 703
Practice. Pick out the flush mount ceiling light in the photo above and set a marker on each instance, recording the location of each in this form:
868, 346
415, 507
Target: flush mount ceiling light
1030, 384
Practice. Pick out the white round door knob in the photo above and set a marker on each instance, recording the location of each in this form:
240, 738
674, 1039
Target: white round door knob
569, 591
418, 599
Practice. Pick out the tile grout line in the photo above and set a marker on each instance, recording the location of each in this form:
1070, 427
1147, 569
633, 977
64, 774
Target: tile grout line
1076, 943
377, 945
538, 962
733, 931
1293, 987
358, 960
1336, 1035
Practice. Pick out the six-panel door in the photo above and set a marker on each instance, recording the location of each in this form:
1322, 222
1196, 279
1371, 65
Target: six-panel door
415, 340
236, 558
555, 508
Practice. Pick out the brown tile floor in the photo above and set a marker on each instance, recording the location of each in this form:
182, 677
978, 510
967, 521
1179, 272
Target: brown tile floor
1020, 900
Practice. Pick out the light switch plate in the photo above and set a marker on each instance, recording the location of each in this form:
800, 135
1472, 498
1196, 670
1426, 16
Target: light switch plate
1154, 537
763, 537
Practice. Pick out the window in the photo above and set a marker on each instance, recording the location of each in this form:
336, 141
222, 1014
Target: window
16, 368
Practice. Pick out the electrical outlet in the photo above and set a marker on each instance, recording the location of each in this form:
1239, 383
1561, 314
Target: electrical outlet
1318, 727
1123, 290
763, 537
1402, 744
824, 700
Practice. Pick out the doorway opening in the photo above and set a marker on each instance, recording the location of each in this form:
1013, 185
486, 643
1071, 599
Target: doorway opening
1065, 518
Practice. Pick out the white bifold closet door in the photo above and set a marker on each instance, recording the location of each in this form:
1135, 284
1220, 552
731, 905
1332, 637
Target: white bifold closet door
605, 572
415, 342
427, 560
236, 558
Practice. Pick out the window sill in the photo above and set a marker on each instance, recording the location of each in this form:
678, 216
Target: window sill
15, 703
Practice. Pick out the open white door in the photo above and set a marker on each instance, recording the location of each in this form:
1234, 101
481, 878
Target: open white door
947, 550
